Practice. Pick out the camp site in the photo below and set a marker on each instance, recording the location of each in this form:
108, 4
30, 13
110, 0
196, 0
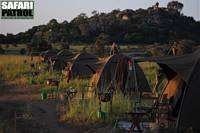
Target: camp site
134, 68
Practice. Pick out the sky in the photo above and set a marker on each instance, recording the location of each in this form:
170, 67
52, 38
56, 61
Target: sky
62, 10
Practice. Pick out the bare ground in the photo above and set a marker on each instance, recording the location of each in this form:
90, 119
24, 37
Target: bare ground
44, 117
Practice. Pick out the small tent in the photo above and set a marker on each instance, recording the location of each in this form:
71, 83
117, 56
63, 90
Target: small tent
46, 55
61, 58
65, 54
116, 70
83, 65
183, 73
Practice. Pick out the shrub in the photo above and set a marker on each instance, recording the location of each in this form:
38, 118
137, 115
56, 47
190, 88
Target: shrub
2, 51
22, 51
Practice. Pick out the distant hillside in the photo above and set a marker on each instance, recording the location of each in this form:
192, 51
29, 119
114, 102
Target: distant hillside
155, 24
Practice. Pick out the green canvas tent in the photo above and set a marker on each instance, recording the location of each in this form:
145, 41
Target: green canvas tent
83, 65
183, 73
116, 69
61, 59
46, 55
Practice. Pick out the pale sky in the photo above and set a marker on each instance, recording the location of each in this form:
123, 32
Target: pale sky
68, 9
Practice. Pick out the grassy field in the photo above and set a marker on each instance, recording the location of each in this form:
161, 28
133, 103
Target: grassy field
14, 49
80, 110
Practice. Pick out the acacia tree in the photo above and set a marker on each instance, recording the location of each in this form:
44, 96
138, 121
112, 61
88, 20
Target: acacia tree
175, 5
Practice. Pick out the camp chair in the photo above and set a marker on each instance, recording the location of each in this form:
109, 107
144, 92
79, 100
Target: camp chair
159, 112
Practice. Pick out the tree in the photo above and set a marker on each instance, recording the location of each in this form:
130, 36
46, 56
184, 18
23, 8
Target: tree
2, 39
39, 44
84, 29
100, 43
10, 38
82, 15
175, 5
64, 43
95, 13
81, 18
22, 51
53, 22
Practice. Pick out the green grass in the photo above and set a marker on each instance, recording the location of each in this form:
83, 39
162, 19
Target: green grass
82, 111
13, 68
12, 47
150, 72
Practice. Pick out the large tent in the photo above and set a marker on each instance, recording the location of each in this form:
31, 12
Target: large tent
183, 73
83, 65
116, 70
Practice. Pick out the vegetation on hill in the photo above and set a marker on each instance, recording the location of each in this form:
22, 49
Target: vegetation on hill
155, 24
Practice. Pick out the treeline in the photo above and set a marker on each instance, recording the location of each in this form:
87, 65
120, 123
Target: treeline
155, 24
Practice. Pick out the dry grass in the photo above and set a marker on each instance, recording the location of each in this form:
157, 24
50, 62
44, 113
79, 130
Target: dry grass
12, 68
13, 59
150, 69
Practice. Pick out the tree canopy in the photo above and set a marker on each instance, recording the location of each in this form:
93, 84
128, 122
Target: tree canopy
151, 25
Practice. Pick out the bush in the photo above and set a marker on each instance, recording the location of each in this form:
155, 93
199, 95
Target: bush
2, 51
22, 51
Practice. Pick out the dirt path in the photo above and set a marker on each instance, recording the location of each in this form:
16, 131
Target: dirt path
30, 94
50, 117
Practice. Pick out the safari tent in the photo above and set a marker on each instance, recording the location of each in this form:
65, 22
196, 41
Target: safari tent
46, 55
183, 73
64, 54
61, 59
83, 65
116, 70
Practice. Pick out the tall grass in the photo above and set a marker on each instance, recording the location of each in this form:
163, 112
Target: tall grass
17, 68
85, 111
13, 68
80, 110
149, 70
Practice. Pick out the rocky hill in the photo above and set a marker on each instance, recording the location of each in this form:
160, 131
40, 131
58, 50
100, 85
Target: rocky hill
155, 24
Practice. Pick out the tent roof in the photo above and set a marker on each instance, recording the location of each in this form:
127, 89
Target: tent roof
188, 68
64, 52
109, 70
83, 63
182, 65
51, 52
85, 58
